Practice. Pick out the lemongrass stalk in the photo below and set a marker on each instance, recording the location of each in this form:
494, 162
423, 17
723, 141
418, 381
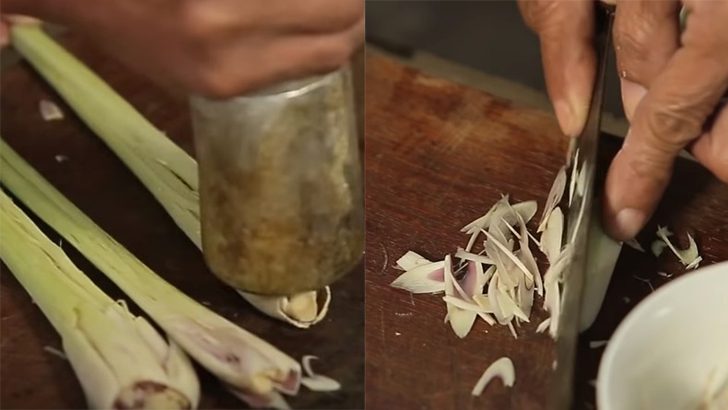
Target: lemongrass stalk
165, 169
247, 364
119, 358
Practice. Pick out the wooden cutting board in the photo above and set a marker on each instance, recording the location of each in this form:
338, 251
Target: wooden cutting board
438, 155
80, 166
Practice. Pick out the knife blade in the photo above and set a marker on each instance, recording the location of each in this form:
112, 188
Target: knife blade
577, 225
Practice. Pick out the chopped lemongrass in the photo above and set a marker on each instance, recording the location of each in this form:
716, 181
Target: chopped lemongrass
632, 243
581, 182
543, 326
411, 260
510, 255
510, 307
509, 214
555, 272
694, 264
658, 247
49, 111
688, 257
317, 382
464, 305
512, 330
55, 352
574, 176
552, 236
469, 256
119, 358
166, 170
484, 221
502, 369
596, 344
691, 253
461, 320
250, 367
555, 195
555, 310
427, 278
526, 256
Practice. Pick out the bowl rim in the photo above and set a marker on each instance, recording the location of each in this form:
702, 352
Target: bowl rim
634, 316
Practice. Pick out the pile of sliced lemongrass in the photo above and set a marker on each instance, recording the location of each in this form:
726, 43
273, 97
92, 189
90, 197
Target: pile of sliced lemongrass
167, 171
250, 367
121, 361
498, 282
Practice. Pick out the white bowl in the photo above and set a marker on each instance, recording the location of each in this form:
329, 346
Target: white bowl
664, 351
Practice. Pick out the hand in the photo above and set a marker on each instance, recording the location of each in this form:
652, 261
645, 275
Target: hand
669, 89
217, 48
671, 84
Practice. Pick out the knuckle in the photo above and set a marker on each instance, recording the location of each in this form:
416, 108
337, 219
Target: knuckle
203, 21
672, 127
633, 44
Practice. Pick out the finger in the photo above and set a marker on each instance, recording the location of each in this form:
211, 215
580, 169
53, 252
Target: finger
566, 32
311, 16
711, 149
277, 59
668, 118
646, 35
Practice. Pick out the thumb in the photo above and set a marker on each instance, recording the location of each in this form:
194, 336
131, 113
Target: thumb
669, 117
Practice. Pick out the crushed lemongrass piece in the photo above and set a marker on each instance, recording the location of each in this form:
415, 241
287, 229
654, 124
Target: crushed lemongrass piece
49, 111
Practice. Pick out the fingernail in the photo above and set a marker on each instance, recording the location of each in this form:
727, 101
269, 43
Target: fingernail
628, 223
567, 118
632, 94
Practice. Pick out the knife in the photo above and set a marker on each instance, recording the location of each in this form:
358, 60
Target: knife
577, 226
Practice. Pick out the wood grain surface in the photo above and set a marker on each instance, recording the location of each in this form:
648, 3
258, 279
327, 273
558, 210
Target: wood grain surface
80, 166
438, 155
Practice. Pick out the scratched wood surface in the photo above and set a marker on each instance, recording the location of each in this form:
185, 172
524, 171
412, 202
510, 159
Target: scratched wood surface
93, 178
438, 155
